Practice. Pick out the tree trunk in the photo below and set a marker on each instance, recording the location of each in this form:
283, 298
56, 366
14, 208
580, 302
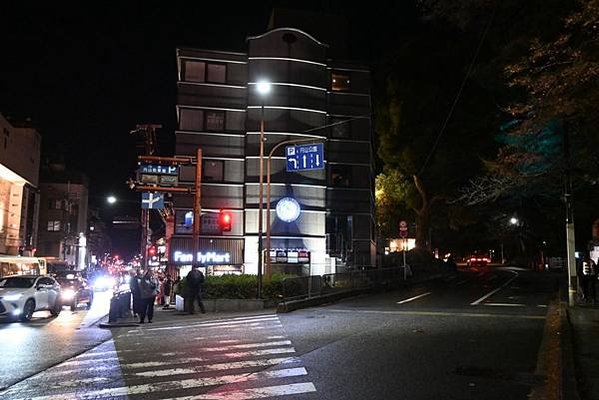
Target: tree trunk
422, 214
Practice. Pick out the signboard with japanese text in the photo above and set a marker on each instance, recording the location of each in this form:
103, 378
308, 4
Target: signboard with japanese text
159, 169
304, 157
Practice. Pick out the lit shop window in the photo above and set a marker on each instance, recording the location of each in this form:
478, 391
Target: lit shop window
340, 82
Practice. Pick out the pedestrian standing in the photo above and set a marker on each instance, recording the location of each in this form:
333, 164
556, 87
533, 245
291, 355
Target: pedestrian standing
149, 289
167, 291
589, 271
135, 292
195, 279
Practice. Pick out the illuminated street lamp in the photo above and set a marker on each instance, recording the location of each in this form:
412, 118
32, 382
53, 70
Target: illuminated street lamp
111, 199
514, 221
263, 88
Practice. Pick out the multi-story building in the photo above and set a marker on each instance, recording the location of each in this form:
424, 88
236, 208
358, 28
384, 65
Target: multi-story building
311, 97
20, 146
63, 215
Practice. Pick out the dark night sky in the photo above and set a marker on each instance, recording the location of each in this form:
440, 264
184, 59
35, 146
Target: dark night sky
87, 74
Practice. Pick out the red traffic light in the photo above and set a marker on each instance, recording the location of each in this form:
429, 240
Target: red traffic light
225, 218
152, 250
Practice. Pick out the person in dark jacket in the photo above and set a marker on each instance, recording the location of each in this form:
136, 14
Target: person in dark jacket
148, 286
194, 279
167, 289
135, 292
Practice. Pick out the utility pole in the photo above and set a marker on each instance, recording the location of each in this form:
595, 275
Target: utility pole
150, 148
197, 207
570, 240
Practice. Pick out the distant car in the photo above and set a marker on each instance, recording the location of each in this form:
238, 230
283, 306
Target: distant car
21, 296
104, 282
477, 261
75, 290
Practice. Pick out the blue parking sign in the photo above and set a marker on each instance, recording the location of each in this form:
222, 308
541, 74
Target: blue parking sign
304, 157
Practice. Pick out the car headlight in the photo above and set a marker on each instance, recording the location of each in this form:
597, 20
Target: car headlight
13, 297
68, 294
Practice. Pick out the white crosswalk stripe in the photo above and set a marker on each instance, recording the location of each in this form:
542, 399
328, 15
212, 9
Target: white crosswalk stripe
238, 362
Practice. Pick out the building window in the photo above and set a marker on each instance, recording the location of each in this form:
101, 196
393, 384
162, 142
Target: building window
213, 171
215, 120
341, 175
53, 226
340, 128
191, 119
198, 71
194, 71
217, 73
340, 82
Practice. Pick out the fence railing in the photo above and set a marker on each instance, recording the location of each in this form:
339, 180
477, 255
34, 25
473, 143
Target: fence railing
302, 287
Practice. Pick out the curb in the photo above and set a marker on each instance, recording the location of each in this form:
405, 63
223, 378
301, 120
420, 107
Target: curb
109, 325
569, 387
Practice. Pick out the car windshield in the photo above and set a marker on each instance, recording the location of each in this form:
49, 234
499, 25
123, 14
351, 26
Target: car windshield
20, 282
67, 282
66, 275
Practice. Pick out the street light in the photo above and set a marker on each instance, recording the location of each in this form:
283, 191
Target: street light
514, 221
111, 199
263, 88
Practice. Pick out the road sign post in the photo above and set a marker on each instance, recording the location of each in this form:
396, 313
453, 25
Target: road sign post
403, 233
304, 157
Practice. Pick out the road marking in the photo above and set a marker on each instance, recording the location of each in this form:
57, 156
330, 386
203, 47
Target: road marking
243, 322
477, 302
254, 393
413, 298
439, 314
504, 304
248, 346
542, 305
176, 385
219, 367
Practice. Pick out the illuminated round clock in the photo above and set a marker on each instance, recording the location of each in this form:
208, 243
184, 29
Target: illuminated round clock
288, 209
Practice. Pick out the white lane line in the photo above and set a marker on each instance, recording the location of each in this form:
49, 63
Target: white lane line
283, 350
175, 385
276, 337
217, 323
486, 296
542, 305
439, 314
248, 346
255, 393
219, 367
79, 363
414, 298
504, 304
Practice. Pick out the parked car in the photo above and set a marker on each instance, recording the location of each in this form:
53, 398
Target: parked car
75, 290
21, 296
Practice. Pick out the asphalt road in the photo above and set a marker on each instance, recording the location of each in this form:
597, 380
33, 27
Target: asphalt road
28, 348
475, 335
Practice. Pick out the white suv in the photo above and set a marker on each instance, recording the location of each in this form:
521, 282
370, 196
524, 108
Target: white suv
22, 295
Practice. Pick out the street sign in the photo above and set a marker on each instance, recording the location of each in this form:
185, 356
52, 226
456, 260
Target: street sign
403, 229
159, 169
304, 157
152, 201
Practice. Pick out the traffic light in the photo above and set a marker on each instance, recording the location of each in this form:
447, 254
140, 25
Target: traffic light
224, 220
152, 251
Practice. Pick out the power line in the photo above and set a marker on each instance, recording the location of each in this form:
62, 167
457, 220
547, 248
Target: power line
459, 93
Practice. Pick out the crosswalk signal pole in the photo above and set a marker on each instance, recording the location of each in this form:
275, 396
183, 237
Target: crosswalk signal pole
197, 207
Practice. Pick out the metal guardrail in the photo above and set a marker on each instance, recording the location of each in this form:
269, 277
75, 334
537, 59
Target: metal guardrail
303, 287
120, 305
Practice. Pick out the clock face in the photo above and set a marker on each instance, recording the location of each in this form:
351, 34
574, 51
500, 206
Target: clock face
288, 209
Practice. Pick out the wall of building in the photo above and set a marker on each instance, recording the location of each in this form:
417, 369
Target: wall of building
19, 198
220, 110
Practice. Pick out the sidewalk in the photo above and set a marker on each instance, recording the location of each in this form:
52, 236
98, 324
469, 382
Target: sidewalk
584, 321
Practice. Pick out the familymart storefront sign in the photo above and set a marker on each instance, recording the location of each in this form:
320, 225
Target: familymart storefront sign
215, 251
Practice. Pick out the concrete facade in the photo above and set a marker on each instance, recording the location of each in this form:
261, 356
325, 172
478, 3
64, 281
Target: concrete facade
20, 148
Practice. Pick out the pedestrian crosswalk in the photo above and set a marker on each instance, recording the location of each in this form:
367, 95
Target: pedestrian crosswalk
236, 358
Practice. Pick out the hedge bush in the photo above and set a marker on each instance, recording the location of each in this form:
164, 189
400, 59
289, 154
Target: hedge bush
240, 286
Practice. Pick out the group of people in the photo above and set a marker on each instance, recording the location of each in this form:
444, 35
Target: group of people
588, 274
152, 288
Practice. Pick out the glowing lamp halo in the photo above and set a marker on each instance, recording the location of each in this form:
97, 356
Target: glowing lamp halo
288, 209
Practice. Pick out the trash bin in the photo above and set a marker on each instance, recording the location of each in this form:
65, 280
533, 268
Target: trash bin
179, 303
